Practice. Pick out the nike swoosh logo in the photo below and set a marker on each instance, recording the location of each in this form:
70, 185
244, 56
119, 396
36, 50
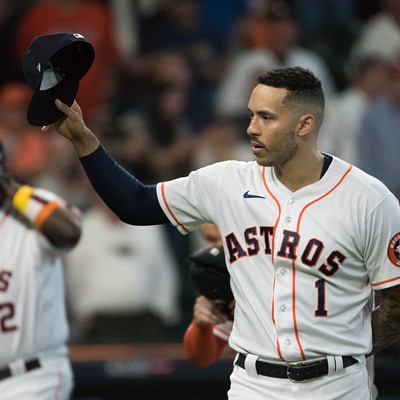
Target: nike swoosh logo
247, 195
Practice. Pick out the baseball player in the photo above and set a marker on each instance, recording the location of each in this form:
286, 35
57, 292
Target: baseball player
307, 237
36, 228
208, 334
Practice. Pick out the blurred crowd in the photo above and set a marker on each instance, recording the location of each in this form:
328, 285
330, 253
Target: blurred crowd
167, 94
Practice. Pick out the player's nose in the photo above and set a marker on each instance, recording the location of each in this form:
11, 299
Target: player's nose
252, 128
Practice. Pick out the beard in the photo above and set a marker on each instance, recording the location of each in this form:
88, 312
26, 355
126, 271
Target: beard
281, 153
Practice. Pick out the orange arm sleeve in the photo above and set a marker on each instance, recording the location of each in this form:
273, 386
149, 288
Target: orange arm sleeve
201, 345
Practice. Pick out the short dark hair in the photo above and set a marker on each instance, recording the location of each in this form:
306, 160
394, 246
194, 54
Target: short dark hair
303, 87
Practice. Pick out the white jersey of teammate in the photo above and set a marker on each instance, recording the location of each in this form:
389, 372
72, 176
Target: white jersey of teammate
33, 322
293, 271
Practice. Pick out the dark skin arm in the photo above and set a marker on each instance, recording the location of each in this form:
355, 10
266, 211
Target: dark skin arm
386, 318
62, 227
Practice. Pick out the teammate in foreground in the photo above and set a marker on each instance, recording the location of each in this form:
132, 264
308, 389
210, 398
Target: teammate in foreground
36, 227
307, 237
208, 334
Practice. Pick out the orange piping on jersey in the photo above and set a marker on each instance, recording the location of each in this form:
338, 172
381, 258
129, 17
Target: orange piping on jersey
386, 281
278, 347
296, 331
321, 197
293, 263
279, 211
273, 302
273, 251
169, 209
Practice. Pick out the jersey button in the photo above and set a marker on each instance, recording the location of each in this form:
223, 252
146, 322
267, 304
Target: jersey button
291, 201
283, 307
288, 342
282, 271
288, 219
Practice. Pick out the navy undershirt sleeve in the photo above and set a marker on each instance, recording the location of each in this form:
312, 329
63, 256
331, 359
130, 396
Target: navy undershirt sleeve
131, 200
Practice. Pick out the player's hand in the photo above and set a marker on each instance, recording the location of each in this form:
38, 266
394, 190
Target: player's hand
207, 312
72, 127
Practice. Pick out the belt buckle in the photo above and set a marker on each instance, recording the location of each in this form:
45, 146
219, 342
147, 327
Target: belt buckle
300, 364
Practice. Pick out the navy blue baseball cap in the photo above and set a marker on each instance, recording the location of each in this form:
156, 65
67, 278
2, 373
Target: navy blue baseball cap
53, 65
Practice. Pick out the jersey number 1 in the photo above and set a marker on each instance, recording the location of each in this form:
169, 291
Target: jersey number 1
320, 311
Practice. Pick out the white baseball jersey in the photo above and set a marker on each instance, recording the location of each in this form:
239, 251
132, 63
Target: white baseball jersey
303, 264
33, 319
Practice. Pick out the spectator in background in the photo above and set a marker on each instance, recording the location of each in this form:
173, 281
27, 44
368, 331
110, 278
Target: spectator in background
314, 15
92, 19
177, 28
236, 83
380, 35
118, 291
132, 145
281, 48
368, 80
329, 27
379, 137
140, 78
164, 116
27, 148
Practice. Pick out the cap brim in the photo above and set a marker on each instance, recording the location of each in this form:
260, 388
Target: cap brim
42, 110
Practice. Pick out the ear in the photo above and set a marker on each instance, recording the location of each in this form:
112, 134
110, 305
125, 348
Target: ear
306, 124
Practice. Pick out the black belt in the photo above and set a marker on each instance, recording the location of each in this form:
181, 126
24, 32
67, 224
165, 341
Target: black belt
298, 372
29, 366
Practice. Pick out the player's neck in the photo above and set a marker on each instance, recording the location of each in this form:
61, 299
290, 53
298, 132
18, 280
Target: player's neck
300, 171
